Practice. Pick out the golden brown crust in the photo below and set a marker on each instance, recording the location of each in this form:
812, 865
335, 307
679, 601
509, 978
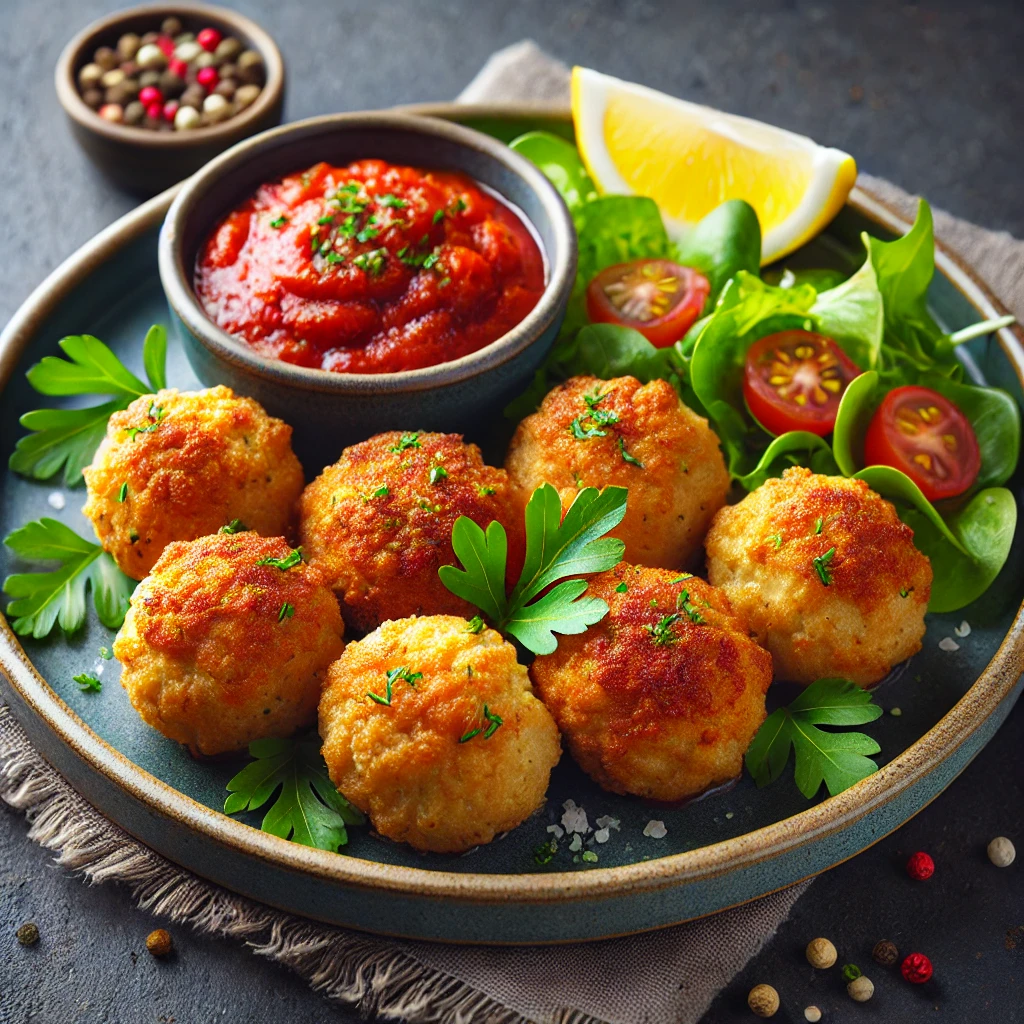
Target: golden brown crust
683, 479
192, 462
379, 529
404, 764
218, 650
663, 708
870, 616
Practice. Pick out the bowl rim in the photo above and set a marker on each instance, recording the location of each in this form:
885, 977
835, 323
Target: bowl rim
176, 276
832, 814
83, 115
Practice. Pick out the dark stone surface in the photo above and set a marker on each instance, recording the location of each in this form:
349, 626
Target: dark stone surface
927, 95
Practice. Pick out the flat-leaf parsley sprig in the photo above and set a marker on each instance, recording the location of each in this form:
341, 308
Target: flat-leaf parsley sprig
68, 438
556, 548
839, 759
308, 809
41, 599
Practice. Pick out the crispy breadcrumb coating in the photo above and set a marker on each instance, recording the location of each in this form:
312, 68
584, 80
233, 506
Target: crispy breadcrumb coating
867, 617
378, 523
424, 767
663, 696
649, 441
180, 465
218, 650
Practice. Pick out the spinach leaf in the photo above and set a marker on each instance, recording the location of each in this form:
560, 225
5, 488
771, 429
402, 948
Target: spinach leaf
856, 407
725, 241
795, 448
609, 350
852, 315
560, 161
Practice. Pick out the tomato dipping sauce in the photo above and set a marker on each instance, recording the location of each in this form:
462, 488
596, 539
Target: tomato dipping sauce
370, 268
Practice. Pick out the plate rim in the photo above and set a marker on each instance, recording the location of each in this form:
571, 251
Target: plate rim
831, 815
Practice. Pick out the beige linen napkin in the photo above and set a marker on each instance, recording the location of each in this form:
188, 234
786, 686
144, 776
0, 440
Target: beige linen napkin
666, 977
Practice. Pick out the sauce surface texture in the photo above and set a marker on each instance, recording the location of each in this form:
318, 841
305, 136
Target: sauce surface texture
369, 268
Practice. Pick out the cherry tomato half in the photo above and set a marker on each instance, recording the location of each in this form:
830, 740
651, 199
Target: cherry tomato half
658, 298
924, 434
794, 379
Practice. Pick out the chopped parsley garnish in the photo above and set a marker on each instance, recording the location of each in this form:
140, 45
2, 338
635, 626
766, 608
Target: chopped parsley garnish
367, 234
156, 414
589, 856
817, 525
106, 653
329, 219
123, 492
484, 491
87, 683
372, 262
603, 417
492, 721
430, 260
289, 561
335, 257
662, 630
444, 282
437, 474
622, 588
476, 624
626, 457
382, 492
459, 205
406, 441
820, 564
776, 539
235, 526
683, 602
438, 217
279, 222
286, 612
393, 675
545, 852
582, 433
905, 592
392, 201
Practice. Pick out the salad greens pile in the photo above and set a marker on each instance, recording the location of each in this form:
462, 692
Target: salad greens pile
878, 316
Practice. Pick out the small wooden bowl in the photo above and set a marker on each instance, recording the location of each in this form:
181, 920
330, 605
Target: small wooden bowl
144, 161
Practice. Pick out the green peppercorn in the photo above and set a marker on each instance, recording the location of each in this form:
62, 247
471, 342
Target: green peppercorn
851, 972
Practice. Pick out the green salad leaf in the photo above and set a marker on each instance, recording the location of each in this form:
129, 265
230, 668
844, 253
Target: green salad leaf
556, 548
836, 758
308, 809
725, 241
67, 438
560, 161
39, 600
794, 448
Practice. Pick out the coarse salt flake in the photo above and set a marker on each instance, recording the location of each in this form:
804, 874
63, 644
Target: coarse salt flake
601, 835
964, 629
556, 831
577, 843
655, 830
575, 818
947, 643
607, 821
55, 500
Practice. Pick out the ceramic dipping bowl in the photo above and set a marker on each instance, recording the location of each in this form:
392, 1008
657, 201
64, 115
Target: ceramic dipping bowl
143, 161
329, 410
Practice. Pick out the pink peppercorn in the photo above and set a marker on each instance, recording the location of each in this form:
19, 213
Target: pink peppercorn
150, 95
208, 78
916, 968
166, 43
178, 67
155, 111
209, 39
920, 866
170, 109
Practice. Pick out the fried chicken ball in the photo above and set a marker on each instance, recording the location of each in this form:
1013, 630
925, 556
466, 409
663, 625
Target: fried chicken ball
663, 696
180, 465
590, 432
227, 641
434, 732
378, 523
825, 575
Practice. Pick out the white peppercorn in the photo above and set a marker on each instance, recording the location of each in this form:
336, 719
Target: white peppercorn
188, 51
813, 1014
186, 118
151, 58
89, 76
821, 953
112, 112
763, 1000
1001, 852
112, 78
216, 108
861, 989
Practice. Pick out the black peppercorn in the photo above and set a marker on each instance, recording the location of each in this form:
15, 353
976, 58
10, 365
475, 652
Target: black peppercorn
28, 934
885, 953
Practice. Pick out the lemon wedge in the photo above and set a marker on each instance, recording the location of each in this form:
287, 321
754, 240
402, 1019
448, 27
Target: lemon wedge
689, 158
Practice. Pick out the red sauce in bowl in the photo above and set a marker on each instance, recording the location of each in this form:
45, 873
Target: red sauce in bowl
370, 268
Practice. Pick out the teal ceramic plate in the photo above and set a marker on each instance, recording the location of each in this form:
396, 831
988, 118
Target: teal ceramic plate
730, 847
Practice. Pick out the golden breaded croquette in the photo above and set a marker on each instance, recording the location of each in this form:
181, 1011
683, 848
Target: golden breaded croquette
435, 733
378, 523
663, 696
825, 574
180, 465
221, 646
590, 432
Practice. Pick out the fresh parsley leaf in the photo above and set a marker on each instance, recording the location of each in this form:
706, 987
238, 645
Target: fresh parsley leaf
622, 588
40, 599
235, 526
492, 723
122, 494
556, 548
582, 433
412, 678
683, 602
309, 809
661, 631
279, 222
626, 457
476, 624
438, 216
406, 441
820, 563
484, 491
837, 759
289, 561
437, 474
818, 523
467, 736
286, 612
392, 200
87, 683
67, 438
